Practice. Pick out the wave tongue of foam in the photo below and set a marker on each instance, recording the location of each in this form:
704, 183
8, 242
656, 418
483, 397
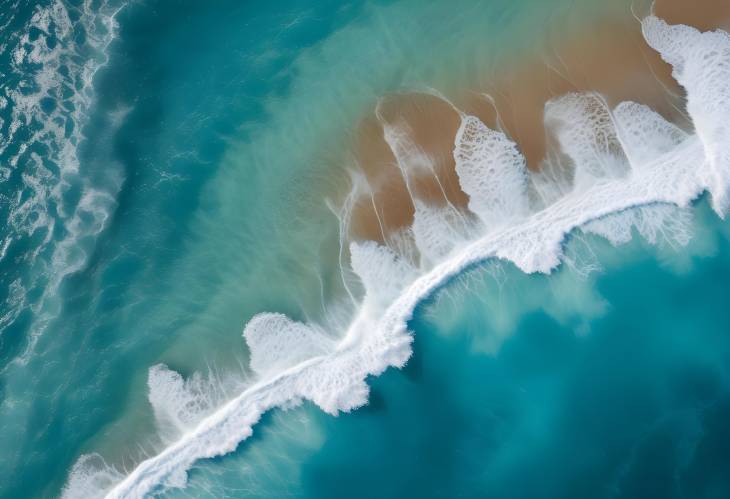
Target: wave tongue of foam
91, 476
585, 131
383, 273
277, 343
644, 134
618, 185
492, 172
701, 64
437, 231
179, 404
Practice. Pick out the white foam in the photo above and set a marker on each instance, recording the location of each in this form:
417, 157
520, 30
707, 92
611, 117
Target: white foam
180, 403
553, 181
611, 197
382, 272
276, 343
492, 172
644, 134
91, 476
437, 230
655, 223
584, 128
701, 64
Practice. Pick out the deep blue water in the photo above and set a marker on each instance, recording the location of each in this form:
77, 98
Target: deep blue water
149, 212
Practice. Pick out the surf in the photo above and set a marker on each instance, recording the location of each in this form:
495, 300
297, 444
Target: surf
629, 167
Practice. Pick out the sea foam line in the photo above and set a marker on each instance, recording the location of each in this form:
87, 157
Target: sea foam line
657, 163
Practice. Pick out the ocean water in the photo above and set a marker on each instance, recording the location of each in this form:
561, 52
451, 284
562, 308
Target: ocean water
169, 170
613, 385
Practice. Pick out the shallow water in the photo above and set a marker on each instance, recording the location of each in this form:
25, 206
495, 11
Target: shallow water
171, 169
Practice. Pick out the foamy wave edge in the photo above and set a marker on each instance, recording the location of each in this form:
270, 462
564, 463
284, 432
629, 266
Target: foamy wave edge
296, 361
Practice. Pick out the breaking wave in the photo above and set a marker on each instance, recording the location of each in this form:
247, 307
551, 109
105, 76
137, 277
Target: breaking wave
629, 169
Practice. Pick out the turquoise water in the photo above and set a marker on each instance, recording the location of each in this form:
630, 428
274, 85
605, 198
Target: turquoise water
164, 169
622, 392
